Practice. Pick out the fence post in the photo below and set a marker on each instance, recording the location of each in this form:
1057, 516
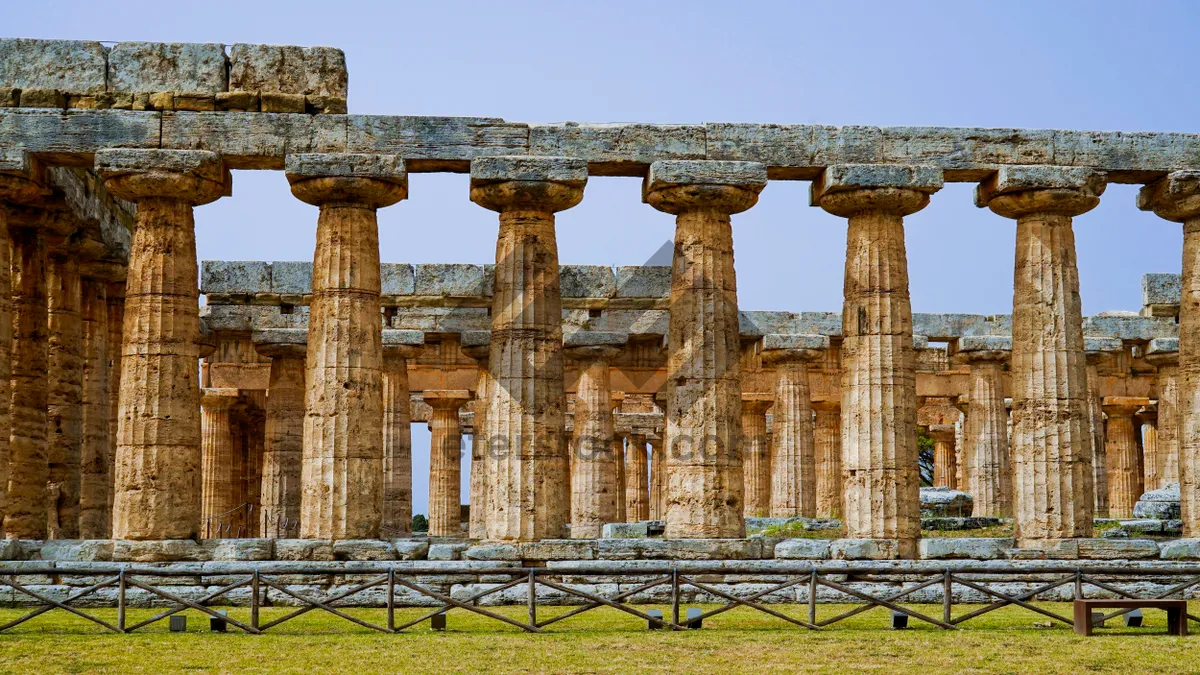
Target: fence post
947, 595
391, 601
254, 586
532, 598
1078, 584
675, 595
812, 596
121, 600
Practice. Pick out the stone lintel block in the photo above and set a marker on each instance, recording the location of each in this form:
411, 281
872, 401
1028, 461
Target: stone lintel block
291, 277
240, 549
288, 69
847, 177
303, 549
643, 282
1163, 346
586, 281
1102, 344
475, 338
164, 550
864, 549
665, 174
396, 279
77, 550
619, 144
1161, 289
403, 338
920, 342
280, 336
363, 549
182, 67
456, 280
75, 66
794, 341
17, 162
1020, 178
502, 169
593, 338
347, 165
679, 549
493, 551
985, 343
802, 549
973, 548
1117, 549
235, 276
200, 163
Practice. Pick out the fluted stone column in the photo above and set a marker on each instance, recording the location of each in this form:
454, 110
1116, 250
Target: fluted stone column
342, 465
1124, 474
1053, 480
705, 491
637, 477
158, 448
827, 452
445, 462
64, 393
988, 472
528, 458
658, 478
398, 347
94, 458
793, 454
619, 458
283, 440
477, 344
217, 460
960, 443
115, 295
1163, 354
756, 453
945, 465
594, 476
1095, 419
879, 407
1146, 425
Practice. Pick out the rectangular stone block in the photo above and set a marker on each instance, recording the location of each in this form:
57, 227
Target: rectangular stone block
236, 276
450, 280
397, 278
591, 338
802, 549
493, 551
291, 277
1102, 344
524, 168
973, 548
618, 149
844, 177
669, 173
240, 550
115, 162
252, 140
1161, 289
288, 69
586, 281
363, 550
166, 550
985, 343
558, 549
1009, 179
1163, 346
303, 549
167, 66
74, 66
436, 143
1117, 549
863, 549
446, 551
643, 282
382, 167
76, 550
625, 531
793, 341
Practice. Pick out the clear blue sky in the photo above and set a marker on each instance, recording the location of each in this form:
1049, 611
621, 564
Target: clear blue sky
1077, 65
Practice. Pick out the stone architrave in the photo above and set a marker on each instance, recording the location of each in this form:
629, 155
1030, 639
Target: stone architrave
756, 456
445, 461
827, 454
705, 491
793, 453
945, 461
342, 466
529, 497
283, 434
399, 346
1053, 481
1124, 471
594, 474
879, 406
95, 457
157, 490
64, 392
988, 478
217, 462
477, 345
1163, 354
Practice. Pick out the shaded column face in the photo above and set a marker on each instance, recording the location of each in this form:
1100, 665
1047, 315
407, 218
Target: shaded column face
756, 465
1124, 471
480, 480
116, 322
1053, 474
217, 463
637, 479
529, 496
94, 459
988, 473
1146, 424
945, 462
827, 452
879, 407
397, 443
658, 480
283, 433
158, 448
793, 471
704, 462
445, 462
342, 463
64, 393
594, 498
1167, 431
1095, 419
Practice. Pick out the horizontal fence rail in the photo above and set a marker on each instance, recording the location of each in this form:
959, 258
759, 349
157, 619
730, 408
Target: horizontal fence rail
1082, 579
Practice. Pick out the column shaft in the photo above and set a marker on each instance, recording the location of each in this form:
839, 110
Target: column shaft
658, 480
594, 478
116, 322
827, 451
989, 478
397, 448
756, 463
637, 479
1124, 473
945, 460
1148, 428
6, 338
619, 457
94, 461
793, 471
1095, 438
1188, 400
1167, 436
64, 394
283, 446
445, 466
217, 463
480, 480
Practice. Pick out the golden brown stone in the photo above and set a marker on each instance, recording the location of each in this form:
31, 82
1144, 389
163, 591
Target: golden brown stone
988, 474
95, 452
594, 473
1124, 471
827, 453
283, 440
445, 462
945, 462
64, 393
1167, 429
1095, 418
756, 458
637, 478
793, 454
480, 481
397, 442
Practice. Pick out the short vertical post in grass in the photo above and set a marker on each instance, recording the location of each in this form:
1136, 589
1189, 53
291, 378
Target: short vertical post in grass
675, 595
391, 600
532, 598
812, 596
1078, 584
254, 599
947, 582
120, 600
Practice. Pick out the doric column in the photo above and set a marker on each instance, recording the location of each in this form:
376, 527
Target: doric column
445, 462
637, 477
793, 454
1124, 474
158, 448
20, 183
115, 295
619, 458
398, 347
342, 465
1095, 437
95, 457
827, 453
64, 393
879, 406
217, 460
528, 459
705, 491
594, 473
962, 404
988, 476
283, 435
477, 345
1163, 354
945, 461
1146, 425
1053, 480
756, 456
658, 478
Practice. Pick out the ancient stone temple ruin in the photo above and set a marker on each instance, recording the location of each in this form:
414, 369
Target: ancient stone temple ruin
278, 413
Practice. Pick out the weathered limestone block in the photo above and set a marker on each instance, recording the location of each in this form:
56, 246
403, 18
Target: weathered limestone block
1163, 353
342, 470
395, 279
411, 549
703, 424
453, 280
988, 476
594, 469
1124, 472
158, 448
527, 460
1180, 549
942, 501
879, 406
639, 530
115, 294
1053, 480
283, 435
446, 551
64, 393
971, 548
237, 276
159, 550
77, 550
303, 549
1161, 294
680, 549
67, 65
643, 282
1117, 549
179, 67
288, 69
864, 549
945, 467
398, 347
802, 549
291, 277
1161, 504
445, 461
363, 549
587, 281
95, 457
240, 549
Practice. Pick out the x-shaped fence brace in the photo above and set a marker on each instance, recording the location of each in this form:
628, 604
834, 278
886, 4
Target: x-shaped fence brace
406, 578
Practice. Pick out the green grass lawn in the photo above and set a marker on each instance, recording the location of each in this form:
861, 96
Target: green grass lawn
601, 641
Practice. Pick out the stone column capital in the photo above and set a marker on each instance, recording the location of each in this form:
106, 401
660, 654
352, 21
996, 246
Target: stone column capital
104, 271
827, 406
281, 342
219, 399
192, 176
1122, 406
1148, 414
942, 432
779, 349
1017, 191
519, 183
1174, 197
589, 346
677, 186
1163, 352
850, 189
20, 177
405, 344
446, 399
757, 403
477, 345
983, 348
206, 340
322, 179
